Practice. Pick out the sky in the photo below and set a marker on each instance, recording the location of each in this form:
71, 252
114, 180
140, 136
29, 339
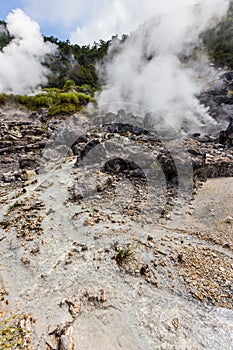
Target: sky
47, 28
79, 21
84, 22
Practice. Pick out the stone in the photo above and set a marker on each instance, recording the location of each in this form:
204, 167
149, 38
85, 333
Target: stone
29, 162
33, 115
28, 175
87, 148
8, 177
83, 188
104, 183
119, 165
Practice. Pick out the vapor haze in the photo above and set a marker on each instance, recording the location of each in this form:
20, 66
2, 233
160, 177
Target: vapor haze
21, 69
148, 70
91, 20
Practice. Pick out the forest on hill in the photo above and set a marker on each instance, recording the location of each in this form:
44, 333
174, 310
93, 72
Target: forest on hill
73, 78
71, 61
219, 41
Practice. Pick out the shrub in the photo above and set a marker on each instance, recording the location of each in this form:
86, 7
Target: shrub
34, 102
56, 100
124, 255
3, 99
84, 99
51, 90
63, 109
87, 89
69, 84
69, 97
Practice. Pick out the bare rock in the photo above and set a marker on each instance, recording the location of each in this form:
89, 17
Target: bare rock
66, 341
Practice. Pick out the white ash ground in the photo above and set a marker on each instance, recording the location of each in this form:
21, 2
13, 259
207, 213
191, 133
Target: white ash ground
174, 290
108, 268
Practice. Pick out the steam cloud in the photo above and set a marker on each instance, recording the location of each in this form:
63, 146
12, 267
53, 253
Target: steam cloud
21, 69
148, 70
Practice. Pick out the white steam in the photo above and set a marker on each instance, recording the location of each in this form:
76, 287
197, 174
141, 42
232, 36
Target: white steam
148, 70
21, 69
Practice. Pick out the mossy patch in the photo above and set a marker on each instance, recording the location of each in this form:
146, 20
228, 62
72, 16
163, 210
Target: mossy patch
55, 100
68, 100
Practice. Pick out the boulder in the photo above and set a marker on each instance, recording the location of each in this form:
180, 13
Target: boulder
29, 162
226, 136
127, 167
8, 177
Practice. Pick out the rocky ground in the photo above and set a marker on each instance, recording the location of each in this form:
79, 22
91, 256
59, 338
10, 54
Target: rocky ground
114, 235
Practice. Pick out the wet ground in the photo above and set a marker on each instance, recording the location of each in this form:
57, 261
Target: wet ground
94, 276
111, 257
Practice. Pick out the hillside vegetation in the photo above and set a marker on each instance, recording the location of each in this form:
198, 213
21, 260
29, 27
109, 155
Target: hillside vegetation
70, 99
70, 61
219, 41
73, 78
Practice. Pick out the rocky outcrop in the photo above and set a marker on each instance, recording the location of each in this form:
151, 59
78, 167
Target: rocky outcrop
210, 156
138, 150
219, 99
22, 142
226, 136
